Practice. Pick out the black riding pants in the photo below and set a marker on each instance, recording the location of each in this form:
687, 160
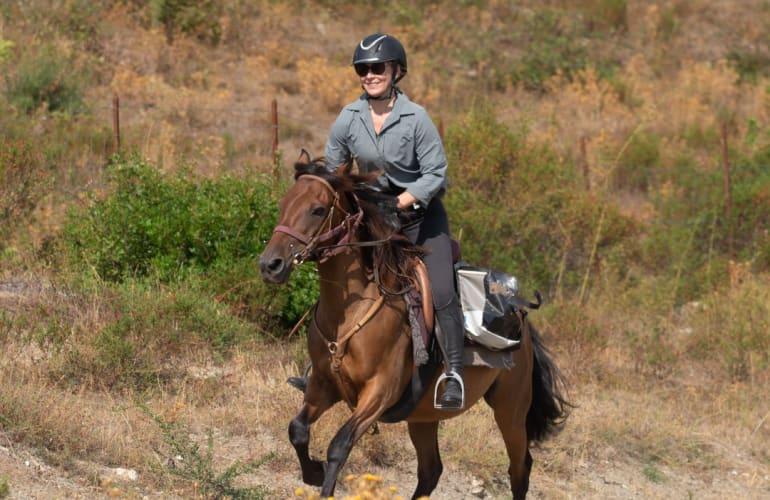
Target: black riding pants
432, 232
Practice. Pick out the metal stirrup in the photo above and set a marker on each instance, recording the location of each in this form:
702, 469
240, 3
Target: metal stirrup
454, 375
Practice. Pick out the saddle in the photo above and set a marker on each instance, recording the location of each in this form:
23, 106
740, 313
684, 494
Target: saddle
426, 353
492, 310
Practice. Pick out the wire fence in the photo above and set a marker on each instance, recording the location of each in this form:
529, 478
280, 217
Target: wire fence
264, 123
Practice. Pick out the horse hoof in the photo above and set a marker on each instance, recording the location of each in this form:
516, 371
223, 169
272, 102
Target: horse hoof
315, 476
298, 383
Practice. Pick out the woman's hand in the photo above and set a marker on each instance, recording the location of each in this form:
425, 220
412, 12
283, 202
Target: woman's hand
405, 200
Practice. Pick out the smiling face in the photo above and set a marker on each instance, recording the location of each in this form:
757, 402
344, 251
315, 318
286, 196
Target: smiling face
376, 85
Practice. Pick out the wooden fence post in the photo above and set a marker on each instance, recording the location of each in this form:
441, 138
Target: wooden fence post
728, 192
116, 123
584, 163
274, 123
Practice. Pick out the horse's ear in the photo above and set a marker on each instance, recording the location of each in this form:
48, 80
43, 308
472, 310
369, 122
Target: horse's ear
304, 157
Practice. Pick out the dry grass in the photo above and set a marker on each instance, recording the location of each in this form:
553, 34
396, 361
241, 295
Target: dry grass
679, 423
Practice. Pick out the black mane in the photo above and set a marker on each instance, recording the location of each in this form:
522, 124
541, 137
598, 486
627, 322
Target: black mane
380, 221
380, 209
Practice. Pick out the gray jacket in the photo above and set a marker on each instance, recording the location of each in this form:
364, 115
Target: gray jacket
408, 148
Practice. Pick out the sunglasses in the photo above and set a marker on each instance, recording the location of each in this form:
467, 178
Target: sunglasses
376, 68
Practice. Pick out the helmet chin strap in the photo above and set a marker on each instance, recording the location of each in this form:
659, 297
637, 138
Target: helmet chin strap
384, 97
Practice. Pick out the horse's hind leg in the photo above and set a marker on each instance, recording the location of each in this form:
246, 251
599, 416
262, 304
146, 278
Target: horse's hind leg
424, 437
517, 446
510, 410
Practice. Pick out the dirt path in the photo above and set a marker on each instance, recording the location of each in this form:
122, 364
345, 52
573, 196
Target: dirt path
595, 467
29, 477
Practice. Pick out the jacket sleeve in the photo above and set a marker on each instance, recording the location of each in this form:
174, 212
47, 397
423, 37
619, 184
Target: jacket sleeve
431, 157
337, 151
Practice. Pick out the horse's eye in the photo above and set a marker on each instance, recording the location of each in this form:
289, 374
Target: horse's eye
319, 211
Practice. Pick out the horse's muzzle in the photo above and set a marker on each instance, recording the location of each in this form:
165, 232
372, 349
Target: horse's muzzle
274, 269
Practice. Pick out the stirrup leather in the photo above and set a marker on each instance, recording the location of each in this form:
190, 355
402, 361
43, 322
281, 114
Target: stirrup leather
454, 375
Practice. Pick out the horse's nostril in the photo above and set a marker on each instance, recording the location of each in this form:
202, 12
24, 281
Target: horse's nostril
270, 266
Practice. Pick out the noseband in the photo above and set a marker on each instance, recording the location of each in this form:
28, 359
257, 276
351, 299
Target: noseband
348, 226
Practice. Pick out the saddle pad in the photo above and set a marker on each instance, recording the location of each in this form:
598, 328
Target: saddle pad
481, 356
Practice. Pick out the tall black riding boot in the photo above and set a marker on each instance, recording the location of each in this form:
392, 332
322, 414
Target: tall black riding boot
451, 322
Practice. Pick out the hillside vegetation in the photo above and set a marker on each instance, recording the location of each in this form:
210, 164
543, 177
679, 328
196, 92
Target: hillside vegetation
612, 154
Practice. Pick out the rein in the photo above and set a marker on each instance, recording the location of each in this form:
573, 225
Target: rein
314, 244
316, 247
348, 225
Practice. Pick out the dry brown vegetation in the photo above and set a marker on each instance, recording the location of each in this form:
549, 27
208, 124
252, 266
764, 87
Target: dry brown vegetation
669, 376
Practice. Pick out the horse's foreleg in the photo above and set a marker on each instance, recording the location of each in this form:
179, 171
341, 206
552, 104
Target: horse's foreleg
424, 437
299, 435
366, 413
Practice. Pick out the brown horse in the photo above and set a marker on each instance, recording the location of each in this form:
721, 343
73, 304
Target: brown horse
359, 340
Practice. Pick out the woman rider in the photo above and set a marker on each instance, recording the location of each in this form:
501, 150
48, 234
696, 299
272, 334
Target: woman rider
384, 130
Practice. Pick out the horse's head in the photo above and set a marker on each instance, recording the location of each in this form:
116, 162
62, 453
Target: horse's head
323, 213
308, 212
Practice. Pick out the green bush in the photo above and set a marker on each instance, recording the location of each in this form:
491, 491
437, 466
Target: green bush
521, 210
639, 163
750, 64
690, 235
173, 228
6, 49
152, 225
553, 46
198, 18
45, 77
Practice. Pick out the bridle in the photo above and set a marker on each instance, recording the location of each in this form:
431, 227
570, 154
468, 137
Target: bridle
321, 244
316, 247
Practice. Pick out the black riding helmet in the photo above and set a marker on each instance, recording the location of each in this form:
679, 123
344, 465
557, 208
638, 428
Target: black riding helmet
380, 47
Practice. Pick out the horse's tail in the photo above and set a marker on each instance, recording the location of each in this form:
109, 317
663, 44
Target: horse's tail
549, 408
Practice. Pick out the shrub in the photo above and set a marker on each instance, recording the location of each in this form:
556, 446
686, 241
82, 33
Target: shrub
553, 46
198, 18
638, 164
733, 328
750, 64
152, 225
6, 49
172, 228
23, 178
691, 233
521, 210
188, 461
45, 77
